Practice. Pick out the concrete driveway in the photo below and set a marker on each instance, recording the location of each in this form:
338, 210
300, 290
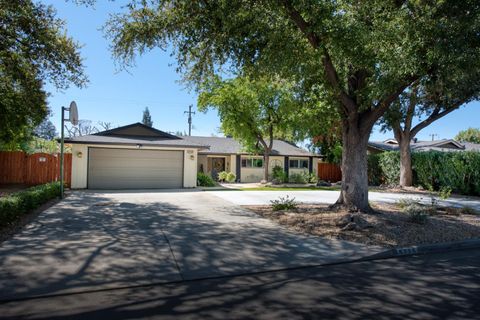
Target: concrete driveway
329, 197
98, 240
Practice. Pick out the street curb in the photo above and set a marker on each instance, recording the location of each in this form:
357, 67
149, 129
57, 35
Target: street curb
425, 249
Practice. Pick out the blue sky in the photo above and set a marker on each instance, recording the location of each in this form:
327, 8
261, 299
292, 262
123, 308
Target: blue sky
120, 96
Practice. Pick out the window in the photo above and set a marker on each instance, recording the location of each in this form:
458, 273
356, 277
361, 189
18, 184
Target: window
252, 163
298, 163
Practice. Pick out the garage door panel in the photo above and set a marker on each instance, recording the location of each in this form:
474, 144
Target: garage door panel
131, 168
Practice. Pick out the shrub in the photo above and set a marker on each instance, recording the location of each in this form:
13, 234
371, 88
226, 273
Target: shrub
389, 163
279, 175
433, 170
297, 178
374, 171
16, 204
231, 177
284, 203
222, 176
204, 180
416, 213
310, 177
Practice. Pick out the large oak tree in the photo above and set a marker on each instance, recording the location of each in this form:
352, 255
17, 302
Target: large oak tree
362, 54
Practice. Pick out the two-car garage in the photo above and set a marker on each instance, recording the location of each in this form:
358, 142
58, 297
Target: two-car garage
135, 156
110, 168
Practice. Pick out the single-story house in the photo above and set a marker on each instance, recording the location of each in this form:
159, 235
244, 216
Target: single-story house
444, 145
140, 157
227, 154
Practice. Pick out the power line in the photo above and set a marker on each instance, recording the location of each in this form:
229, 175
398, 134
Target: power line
189, 119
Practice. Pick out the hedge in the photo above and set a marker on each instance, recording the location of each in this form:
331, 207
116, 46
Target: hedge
433, 170
18, 203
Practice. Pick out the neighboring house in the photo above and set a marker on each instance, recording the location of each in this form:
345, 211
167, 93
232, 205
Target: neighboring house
445, 145
140, 157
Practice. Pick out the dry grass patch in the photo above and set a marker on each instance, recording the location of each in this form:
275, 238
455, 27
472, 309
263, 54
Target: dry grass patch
389, 227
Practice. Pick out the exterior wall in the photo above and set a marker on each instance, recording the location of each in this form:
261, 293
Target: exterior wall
297, 170
256, 174
233, 163
202, 162
190, 158
80, 164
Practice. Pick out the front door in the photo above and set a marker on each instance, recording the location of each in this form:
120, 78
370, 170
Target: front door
218, 165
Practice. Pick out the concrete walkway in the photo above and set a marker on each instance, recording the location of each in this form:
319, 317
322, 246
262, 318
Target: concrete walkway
98, 240
329, 197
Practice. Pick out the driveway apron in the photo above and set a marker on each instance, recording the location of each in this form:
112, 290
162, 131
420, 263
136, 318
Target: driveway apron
101, 240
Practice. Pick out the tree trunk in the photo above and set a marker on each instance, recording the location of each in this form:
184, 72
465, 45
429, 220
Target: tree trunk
406, 175
266, 160
354, 193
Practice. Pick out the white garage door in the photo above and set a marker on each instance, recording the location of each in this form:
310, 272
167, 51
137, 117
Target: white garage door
134, 169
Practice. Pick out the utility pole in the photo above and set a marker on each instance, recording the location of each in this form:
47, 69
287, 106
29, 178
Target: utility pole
189, 119
433, 135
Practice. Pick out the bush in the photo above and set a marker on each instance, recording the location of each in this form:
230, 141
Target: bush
297, 178
284, 203
374, 170
16, 204
416, 213
231, 177
433, 170
279, 175
204, 180
389, 163
222, 176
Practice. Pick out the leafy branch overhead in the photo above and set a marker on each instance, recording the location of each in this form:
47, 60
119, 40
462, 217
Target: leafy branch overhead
34, 49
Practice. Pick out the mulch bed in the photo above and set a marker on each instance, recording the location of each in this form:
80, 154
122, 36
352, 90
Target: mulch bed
388, 227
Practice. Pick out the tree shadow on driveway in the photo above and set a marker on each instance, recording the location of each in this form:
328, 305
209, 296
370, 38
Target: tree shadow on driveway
95, 241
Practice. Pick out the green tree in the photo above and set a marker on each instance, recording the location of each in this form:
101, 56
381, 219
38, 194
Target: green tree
34, 49
361, 55
469, 135
427, 100
147, 118
251, 111
46, 130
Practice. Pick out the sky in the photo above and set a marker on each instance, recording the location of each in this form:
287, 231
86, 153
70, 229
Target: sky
120, 96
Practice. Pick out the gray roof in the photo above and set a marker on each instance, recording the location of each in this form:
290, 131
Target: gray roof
436, 145
138, 133
221, 145
135, 134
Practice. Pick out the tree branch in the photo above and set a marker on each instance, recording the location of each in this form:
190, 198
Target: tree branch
316, 42
433, 117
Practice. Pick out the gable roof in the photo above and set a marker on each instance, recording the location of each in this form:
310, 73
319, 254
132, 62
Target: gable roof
437, 145
222, 145
135, 134
137, 130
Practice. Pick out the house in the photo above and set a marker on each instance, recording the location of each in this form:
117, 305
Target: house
140, 157
445, 145
227, 154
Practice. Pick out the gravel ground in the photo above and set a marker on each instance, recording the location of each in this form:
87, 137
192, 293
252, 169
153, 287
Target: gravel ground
389, 227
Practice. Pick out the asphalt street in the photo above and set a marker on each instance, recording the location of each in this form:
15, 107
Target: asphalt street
437, 286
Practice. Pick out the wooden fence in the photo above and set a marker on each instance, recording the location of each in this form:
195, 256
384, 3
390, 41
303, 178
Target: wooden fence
329, 172
17, 167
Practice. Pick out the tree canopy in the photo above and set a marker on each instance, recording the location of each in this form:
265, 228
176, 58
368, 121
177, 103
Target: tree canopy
469, 135
253, 111
147, 118
34, 49
360, 55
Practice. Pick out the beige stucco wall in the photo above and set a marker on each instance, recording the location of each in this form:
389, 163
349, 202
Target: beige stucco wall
256, 174
80, 164
202, 161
